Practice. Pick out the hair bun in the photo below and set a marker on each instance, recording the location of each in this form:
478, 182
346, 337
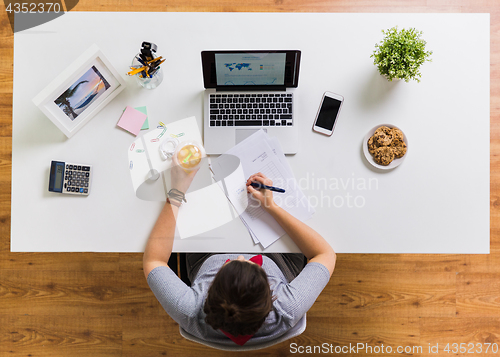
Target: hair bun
231, 311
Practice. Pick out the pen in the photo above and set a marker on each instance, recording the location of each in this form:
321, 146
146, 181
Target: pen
271, 188
140, 61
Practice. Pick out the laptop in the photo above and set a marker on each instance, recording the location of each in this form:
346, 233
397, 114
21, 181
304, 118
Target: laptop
246, 91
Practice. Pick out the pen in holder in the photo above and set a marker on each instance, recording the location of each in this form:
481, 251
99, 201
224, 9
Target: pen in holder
147, 80
146, 66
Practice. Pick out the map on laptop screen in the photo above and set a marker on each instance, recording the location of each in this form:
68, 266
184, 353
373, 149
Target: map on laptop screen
250, 68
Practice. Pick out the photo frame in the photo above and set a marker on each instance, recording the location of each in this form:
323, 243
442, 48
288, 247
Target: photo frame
75, 96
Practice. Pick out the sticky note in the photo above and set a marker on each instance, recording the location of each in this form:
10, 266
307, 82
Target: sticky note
132, 120
145, 126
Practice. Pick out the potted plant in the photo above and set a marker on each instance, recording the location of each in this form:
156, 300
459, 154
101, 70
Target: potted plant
400, 54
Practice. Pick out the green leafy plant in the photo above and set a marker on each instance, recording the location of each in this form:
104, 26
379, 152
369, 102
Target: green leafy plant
400, 54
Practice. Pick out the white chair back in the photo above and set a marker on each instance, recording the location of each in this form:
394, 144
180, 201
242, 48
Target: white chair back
293, 332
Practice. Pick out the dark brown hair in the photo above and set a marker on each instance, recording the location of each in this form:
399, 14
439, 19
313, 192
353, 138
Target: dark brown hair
239, 299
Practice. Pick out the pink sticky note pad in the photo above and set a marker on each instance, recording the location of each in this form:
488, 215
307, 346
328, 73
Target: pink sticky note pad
132, 120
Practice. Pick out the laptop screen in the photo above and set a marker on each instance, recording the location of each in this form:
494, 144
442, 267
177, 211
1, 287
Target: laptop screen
250, 70
239, 69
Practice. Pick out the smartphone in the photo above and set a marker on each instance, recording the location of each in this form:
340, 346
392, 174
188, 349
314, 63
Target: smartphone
328, 113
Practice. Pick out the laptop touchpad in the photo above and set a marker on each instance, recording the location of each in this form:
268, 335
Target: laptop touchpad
242, 134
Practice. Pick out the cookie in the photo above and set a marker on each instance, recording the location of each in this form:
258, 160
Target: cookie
397, 134
383, 136
383, 155
372, 145
398, 148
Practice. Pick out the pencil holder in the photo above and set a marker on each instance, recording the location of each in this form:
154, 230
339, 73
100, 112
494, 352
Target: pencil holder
148, 82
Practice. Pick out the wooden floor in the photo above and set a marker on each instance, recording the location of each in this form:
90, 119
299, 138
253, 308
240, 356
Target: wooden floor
100, 305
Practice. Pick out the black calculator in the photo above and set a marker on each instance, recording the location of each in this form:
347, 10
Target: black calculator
70, 178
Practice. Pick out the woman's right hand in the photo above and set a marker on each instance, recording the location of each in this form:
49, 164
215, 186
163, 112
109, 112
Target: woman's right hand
265, 197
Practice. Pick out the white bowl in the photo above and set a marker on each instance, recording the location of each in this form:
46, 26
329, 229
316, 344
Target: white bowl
396, 162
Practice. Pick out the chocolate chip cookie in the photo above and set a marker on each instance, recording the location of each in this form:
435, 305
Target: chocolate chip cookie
397, 135
399, 148
372, 145
383, 136
383, 155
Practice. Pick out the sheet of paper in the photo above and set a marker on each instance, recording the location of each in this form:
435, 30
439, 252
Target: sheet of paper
194, 218
257, 155
232, 185
254, 237
275, 144
132, 120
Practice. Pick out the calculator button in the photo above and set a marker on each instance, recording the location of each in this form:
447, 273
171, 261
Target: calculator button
79, 167
71, 167
81, 190
85, 191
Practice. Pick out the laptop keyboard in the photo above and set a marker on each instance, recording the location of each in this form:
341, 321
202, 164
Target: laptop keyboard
256, 109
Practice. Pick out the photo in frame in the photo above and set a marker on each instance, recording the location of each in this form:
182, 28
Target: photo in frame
80, 91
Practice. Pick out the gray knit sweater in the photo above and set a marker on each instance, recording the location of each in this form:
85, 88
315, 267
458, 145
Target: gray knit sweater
185, 304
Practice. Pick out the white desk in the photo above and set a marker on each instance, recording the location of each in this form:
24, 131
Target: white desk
430, 204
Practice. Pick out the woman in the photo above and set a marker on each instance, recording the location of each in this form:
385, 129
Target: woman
242, 299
